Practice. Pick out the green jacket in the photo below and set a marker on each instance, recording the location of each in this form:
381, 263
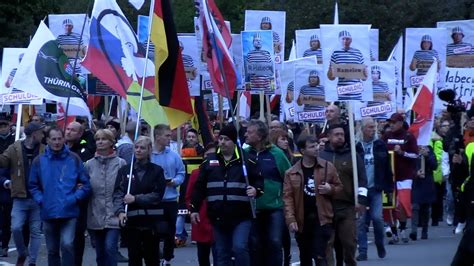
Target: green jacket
272, 164
437, 144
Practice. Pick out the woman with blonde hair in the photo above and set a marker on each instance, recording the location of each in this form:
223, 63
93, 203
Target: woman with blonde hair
143, 217
102, 222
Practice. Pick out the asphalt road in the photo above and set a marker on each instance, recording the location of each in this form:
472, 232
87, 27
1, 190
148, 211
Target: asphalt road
438, 249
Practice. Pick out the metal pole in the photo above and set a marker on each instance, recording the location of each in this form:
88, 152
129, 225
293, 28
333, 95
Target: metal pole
152, 7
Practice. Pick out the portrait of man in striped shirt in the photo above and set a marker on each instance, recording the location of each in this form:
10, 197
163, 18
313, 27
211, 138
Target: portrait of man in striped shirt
350, 56
188, 62
458, 47
312, 94
259, 66
71, 43
423, 58
314, 49
266, 24
381, 91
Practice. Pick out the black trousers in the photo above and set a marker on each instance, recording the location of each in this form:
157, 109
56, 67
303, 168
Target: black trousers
79, 239
437, 206
170, 209
203, 252
5, 223
312, 242
143, 245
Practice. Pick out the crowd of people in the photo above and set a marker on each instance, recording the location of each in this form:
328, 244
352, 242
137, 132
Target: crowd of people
245, 202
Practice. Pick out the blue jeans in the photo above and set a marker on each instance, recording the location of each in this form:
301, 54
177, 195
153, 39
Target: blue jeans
106, 242
59, 234
181, 233
232, 241
26, 211
267, 238
375, 214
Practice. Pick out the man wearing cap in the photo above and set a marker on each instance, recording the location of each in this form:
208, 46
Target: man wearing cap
222, 182
405, 148
314, 49
18, 157
458, 47
312, 94
114, 126
346, 55
424, 58
381, 91
266, 24
69, 42
259, 65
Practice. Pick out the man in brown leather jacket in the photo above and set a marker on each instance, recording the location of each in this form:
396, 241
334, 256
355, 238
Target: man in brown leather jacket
308, 189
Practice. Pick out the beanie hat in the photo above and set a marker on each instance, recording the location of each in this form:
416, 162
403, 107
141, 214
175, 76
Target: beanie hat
115, 124
230, 132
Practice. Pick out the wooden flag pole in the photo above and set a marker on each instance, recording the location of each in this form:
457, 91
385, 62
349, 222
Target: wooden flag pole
269, 111
353, 151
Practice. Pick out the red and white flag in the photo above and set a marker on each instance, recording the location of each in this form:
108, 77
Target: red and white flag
245, 102
423, 106
217, 41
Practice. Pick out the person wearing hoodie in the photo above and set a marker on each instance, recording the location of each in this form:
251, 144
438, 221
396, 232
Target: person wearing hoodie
102, 223
379, 179
338, 152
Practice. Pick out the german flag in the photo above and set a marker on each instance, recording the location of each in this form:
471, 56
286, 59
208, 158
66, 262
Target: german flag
171, 88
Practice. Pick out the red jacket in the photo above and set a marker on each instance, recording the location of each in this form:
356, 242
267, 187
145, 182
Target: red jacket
201, 232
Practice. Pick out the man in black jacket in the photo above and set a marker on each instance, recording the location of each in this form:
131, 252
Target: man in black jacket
221, 180
379, 178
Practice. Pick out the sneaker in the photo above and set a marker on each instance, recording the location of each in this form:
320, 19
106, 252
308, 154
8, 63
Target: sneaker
4, 252
121, 258
381, 252
361, 257
460, 228
388, 231
394, 240
179, 243
403, 236
413, 236
424, 235
449, 219
20, 261
166, 263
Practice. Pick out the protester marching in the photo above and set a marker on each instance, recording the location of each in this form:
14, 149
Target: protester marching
126, 142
